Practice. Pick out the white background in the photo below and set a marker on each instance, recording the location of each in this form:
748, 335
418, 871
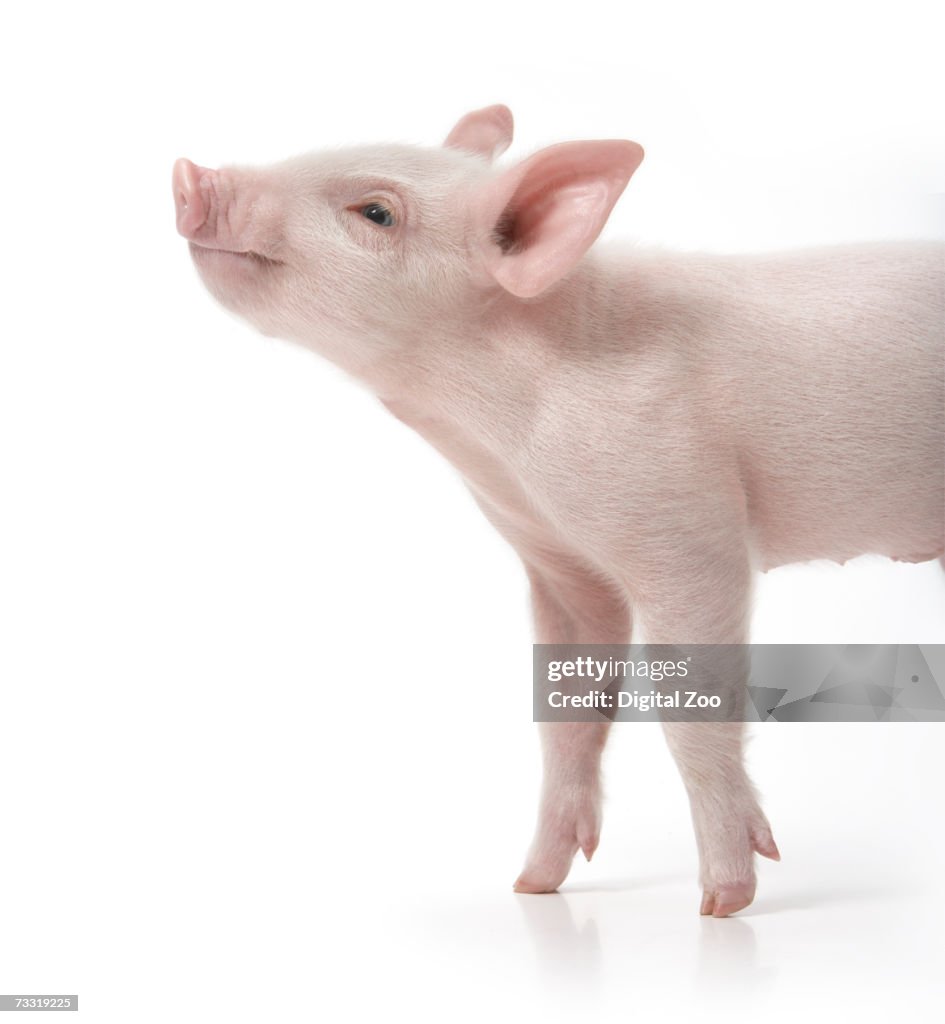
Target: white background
266, 750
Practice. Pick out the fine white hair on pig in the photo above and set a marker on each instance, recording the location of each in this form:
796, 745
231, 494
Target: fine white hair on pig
646, 428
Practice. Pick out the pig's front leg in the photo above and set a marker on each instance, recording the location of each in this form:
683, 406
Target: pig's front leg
569, 608
569, 813
730, 827
707, 603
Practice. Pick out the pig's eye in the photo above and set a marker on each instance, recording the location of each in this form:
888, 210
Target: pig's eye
379, 214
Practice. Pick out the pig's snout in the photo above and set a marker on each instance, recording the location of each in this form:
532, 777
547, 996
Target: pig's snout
221, 210
192, 205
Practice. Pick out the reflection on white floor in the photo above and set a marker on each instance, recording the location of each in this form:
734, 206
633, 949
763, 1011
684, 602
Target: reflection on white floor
616, 949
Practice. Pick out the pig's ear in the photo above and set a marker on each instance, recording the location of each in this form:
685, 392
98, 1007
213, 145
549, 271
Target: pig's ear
539, 218
487, 132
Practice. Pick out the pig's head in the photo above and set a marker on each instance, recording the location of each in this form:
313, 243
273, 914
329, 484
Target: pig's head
351, 250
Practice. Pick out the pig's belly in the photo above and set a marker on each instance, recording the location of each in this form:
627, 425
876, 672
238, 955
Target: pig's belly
792, 524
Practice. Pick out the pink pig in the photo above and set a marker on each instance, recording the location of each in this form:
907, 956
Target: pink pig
647, 429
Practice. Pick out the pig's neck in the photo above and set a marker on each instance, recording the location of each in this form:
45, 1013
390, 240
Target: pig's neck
481, 375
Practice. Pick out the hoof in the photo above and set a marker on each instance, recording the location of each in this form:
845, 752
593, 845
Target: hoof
726, 900
532, 886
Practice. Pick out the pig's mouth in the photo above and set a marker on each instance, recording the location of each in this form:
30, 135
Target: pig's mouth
248, 256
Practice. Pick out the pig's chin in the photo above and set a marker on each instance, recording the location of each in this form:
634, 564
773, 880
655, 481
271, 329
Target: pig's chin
236, 278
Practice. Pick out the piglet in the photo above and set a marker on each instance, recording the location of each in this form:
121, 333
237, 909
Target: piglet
646, 428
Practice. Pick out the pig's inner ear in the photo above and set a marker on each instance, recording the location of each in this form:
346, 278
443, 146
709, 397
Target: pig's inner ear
547, 212
487, 132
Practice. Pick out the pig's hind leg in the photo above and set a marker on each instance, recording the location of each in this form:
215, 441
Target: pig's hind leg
570, 608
